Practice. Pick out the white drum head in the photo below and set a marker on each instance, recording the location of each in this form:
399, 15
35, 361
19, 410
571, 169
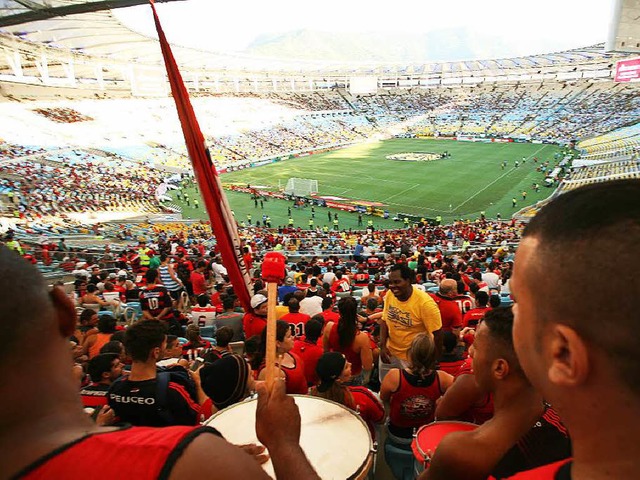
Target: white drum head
336, 440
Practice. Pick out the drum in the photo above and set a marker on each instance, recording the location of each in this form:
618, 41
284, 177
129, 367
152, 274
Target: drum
429, 436
335, 439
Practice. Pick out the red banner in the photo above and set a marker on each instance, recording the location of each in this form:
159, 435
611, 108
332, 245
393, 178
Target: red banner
222, 222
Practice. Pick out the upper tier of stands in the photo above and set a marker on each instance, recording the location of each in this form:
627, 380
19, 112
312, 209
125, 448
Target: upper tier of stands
77, 145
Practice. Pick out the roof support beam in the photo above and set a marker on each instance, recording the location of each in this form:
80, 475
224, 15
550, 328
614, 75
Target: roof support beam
44, 13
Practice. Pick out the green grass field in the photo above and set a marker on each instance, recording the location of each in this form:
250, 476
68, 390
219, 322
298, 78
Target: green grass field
470, 181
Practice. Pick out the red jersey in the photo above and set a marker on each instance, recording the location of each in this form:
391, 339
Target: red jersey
155, 299
217, 302
450, 363
449, 311
145, 453
296, 381
297, 322
414, 403
352, 357
369, 406
94, 395
465, 302
330, 316
295, 376
198, 283
473, 316
553, 471
310, 353
248, 260
253, 324
373, 263
547, 441
341, 285
361, 279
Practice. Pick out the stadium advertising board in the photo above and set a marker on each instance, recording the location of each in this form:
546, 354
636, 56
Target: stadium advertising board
628, 70
341, 206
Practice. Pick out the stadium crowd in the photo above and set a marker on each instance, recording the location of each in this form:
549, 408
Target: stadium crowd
75, 181
534, 378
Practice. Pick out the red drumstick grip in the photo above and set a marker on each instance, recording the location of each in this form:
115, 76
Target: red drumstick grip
273, 267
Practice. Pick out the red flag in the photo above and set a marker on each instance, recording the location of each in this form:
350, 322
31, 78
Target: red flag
222, 222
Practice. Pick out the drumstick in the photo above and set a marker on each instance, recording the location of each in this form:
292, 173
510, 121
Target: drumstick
272, 273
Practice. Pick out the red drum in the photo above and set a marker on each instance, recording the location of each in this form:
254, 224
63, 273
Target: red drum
429, 436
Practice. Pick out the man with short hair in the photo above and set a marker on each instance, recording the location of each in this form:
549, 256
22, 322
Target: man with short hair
172, 353
230, 318
583, 356
341, 284
295, 319
308, 350
473, 316
103, 370
155, 300
204, 314
524, 432
449, 310
144, 398
407, 313
328, 312
198, 282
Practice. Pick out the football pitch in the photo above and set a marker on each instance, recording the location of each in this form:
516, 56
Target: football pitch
472, 179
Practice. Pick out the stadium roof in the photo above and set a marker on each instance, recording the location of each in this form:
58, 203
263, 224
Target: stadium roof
31, 26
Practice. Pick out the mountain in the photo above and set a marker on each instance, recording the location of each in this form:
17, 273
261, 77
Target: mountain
441, 45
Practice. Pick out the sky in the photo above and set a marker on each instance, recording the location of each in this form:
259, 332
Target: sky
526, 27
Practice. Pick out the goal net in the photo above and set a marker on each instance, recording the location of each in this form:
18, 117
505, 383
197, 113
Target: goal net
301, 187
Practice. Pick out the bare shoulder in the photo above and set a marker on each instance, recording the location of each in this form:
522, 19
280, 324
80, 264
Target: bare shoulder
461, 456
209, 456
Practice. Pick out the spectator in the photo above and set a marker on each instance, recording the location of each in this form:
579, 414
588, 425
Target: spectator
345, 337
161, 398
473, 316
412, 392
103, 370
524, 433
291, 366
295, 319
254, 323
230, 318
334, 371
407, 313
453, 354
308, 350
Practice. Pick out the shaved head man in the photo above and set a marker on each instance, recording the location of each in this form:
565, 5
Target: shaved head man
582, 351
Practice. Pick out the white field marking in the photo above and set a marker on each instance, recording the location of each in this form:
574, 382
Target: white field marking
402, 192
508, 172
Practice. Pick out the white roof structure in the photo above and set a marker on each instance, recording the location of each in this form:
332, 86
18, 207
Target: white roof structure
93, 46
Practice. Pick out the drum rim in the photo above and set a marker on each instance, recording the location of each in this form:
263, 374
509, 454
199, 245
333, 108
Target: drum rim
423, 454
367, 462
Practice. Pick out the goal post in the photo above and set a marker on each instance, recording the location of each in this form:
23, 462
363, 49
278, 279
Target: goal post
301, 187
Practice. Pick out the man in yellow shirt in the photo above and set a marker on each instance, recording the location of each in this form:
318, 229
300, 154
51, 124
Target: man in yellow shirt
407, 313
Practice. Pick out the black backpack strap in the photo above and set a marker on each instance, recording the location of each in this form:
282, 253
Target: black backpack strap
162, 392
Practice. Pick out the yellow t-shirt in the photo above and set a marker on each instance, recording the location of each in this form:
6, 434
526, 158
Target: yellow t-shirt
281, 311
405, 320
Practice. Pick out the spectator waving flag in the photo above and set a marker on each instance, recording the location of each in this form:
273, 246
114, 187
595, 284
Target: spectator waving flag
222, 221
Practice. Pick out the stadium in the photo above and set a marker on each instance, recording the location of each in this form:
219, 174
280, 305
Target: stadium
111, 160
